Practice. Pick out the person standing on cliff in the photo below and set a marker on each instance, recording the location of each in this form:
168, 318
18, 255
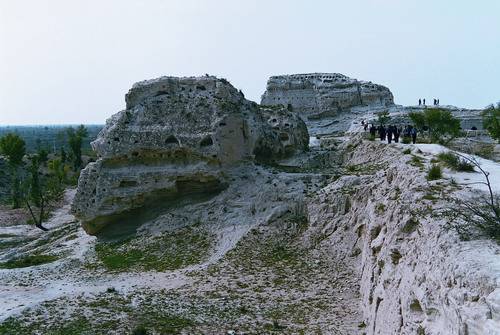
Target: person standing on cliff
424, 101
419, 102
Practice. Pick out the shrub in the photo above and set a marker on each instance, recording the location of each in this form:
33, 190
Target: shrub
479, 216
454, 162
407, 151
434, 172
383, 117
406, 140
491, 121
140, 330
443, 126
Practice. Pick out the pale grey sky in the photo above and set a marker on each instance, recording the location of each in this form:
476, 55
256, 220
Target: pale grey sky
72, 61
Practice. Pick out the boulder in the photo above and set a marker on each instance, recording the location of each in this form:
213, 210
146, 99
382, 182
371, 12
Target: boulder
319, 95
178, 136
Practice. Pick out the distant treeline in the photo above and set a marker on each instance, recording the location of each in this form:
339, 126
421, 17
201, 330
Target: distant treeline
50, 137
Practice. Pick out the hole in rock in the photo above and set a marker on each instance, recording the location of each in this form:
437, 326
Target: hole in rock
171, 140
206, 141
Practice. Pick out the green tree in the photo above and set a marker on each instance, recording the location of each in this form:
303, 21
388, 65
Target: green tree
418, 119
43, 156
63, 155
383, 118
75, 140
491, 121
13, 147
442, 125
41, 189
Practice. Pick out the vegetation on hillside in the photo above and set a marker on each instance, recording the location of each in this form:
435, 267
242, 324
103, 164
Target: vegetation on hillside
39, 178
491, 121
441, 125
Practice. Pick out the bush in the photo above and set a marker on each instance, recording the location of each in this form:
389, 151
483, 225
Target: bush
443, 126
434, 172
491, 121
406, 140
479, 216
407, 151
454, 162
140, 330
476, 218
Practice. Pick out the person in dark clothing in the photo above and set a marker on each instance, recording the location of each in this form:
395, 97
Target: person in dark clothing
419, 102
365, 126
414, 135
437, 103
382, 132
389, 134
373, 130
397, 132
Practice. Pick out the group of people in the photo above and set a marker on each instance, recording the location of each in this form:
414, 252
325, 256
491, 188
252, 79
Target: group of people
422, 102
391, 132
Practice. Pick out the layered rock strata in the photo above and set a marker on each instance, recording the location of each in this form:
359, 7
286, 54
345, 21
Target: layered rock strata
319, 95
177, 136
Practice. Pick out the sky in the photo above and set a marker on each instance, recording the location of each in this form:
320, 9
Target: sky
72, 61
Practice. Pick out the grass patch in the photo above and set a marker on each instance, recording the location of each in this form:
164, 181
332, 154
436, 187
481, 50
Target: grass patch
168, 251
434, 172
416, 161
410, 226
380, 208
27, 261
407, 151
454, 162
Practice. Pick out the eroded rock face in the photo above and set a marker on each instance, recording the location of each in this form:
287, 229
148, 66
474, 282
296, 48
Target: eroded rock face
319, 95
177, 136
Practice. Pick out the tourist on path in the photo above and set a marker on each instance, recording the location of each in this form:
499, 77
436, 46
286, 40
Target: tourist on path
389, 134
397, 132
419, 102
373, 130
424, 102
414, 135
382, 133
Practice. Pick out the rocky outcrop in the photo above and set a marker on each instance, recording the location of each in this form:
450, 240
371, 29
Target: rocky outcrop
176, 136
319, 95
416, 276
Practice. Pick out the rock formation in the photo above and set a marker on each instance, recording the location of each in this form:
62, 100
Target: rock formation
176, 136
319, 95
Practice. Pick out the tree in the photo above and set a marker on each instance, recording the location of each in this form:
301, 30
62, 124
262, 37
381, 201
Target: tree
63, 155
491, 121
41, 189
75, 139
13, 147
443, 126
383, 117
